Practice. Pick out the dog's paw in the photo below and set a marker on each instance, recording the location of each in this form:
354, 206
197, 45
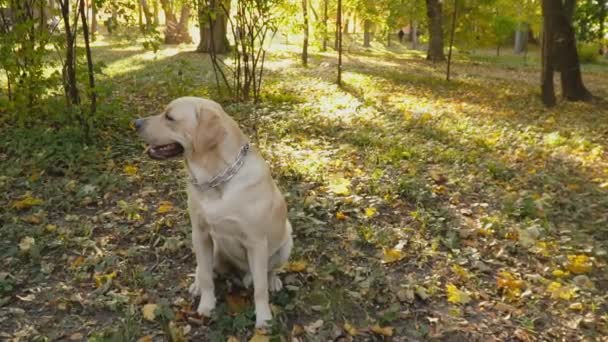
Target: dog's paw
247, 280
207, 303
274, 283
263, 321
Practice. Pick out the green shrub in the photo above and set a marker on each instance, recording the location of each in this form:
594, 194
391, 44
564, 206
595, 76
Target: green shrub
588, 53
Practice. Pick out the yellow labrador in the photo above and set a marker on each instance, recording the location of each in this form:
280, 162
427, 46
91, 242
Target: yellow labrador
238, 214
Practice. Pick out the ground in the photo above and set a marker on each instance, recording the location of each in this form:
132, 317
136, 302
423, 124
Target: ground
422, 209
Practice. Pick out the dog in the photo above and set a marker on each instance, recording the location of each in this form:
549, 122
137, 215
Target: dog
238, 214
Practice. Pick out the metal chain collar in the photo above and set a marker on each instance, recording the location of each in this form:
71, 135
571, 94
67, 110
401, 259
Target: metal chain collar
224, 176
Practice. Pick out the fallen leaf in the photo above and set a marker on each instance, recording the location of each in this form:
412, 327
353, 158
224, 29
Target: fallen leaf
259, 336
130, 170
314, 327
510, 284
371, 211
579, 264
297, 330
459, 271
26, 202
148, 311
164, 207
26, 243
236, 303
147, 338
339, 186
341, 216
576, 306
351, 330
456, 295
390, 255
101, 279
557, 290
296, 266
385, 331
76, 336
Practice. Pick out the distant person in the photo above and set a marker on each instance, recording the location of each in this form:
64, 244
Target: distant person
401, 34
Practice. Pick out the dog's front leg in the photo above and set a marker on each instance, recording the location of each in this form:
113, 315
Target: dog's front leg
257, 256
203, 281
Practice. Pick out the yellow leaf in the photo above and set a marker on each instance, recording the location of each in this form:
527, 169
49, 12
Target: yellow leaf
148, 311
236, 303
579, 264
557, 290
390, 255
101, 279
232, 339
164, 207
26, 243
51, 228
147, 338
576, 306
77, 262
296, 266
385, 331
26, 202
510, 284
463, 274
341, 216
559, 273
352, 331
131, 170
339, 186
455, 295
259, 336
371, 211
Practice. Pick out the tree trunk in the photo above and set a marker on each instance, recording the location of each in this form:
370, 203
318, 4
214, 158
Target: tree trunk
69, 83
93, 20
213, 26
414, 34
147, 14
176, 32
339, 40
559, 53
454, 16
156, 19
325, 31
546, 81
521, 38
91, 74
434, 13
366, 34
305, 42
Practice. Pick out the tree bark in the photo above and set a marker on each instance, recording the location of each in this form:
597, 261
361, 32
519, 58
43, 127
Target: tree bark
147, 14
454, 16
435, 48
213, 26
414, 34
366, 33
93, 20
69, 83
305, 27
325, 31
176, 31
339, 40
559, 53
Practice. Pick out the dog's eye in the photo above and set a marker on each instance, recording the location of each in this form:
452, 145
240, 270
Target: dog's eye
169, 118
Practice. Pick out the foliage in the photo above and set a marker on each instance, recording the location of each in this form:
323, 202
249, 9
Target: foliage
588, 53
587, 17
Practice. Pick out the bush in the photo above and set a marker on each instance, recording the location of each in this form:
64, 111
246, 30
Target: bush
588, 53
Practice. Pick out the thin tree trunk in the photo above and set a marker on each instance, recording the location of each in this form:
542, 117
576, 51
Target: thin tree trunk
156, 18
547, 87
325, 31
414, 34
434, 12
454, 16
147, 14
176, 31
213, 26
305, 42
91, 74
366, 34
93, 20
70, 86
140, 19
339, 40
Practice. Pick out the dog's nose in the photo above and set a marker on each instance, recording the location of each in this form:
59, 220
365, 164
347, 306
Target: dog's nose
139, 123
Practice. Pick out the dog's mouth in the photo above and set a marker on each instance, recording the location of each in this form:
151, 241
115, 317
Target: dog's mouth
161, 152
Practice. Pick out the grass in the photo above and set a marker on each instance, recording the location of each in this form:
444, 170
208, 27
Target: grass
399, 184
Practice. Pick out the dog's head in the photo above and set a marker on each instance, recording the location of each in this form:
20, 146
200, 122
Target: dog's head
188, 125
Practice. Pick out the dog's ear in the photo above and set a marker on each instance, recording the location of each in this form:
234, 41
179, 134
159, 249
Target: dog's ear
209, 130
